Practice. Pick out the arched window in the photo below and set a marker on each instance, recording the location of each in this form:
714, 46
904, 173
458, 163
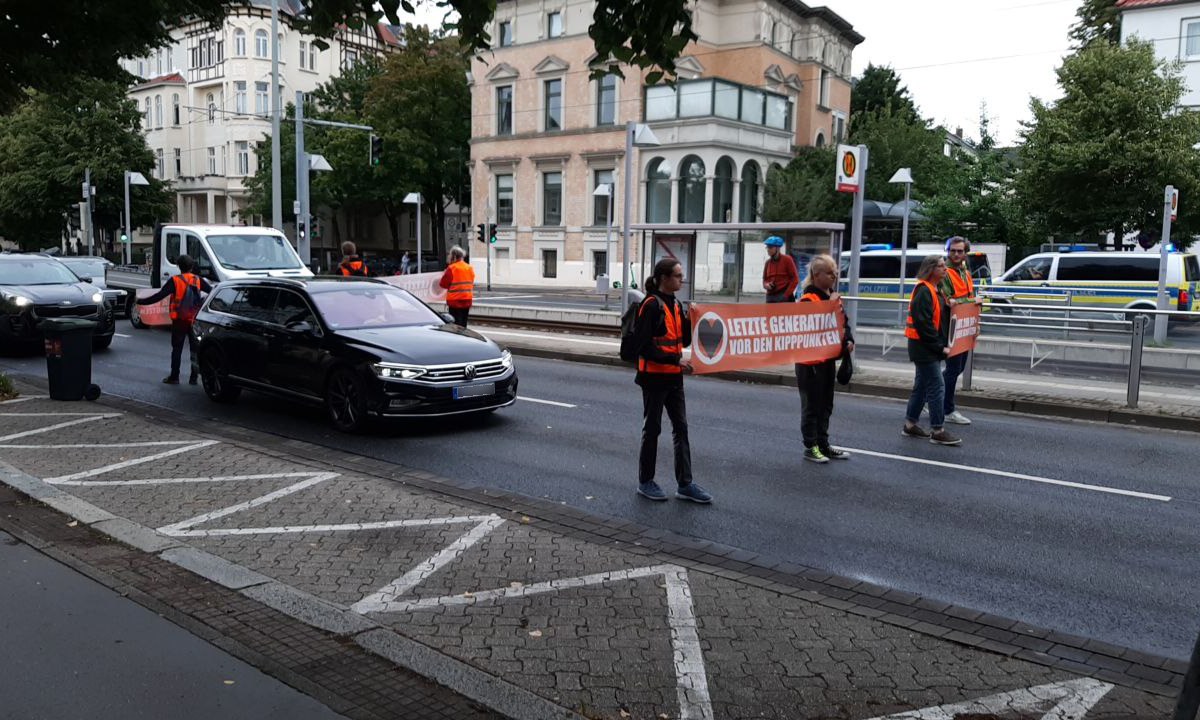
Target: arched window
691, 190
212, 107
158, 111
260, 44
749, 196
820, 141
239, 42
658, 192
723, 191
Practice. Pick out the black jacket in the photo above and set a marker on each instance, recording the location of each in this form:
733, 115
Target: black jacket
933, 339
652, 324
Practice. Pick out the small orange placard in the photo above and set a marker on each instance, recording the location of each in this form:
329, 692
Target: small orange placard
964, 327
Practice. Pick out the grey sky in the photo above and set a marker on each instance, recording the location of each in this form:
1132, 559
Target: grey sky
956, 54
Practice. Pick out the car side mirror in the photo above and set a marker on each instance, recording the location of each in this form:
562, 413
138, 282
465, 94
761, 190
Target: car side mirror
85, 279
303, 327
448, 317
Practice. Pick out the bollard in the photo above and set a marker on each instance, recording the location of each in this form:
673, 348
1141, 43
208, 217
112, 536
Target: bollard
1189, 695
1135, 361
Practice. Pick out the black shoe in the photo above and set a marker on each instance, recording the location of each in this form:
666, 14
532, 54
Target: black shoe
914, 431
171, 380
834, 453
651, 491
193, 378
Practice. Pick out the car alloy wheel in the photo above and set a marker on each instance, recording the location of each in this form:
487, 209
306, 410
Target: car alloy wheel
345, 400
215, 378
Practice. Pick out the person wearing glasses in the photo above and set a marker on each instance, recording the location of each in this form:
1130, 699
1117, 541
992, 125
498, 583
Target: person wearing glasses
815, 379
959, 288
928, 333
661, 333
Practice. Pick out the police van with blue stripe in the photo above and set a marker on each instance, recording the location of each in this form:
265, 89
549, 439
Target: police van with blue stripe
879, 270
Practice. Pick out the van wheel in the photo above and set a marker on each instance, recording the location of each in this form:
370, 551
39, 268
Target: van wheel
135, 317
346, 401
214, 375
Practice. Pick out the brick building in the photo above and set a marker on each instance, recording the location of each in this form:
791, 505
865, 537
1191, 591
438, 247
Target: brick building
764, 77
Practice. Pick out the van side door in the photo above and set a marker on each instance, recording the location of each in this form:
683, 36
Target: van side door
196, 250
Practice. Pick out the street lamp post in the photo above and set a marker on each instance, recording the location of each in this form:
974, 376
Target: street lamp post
636, 134
903, 175
606, 191
415, 197
131, 178
276, 168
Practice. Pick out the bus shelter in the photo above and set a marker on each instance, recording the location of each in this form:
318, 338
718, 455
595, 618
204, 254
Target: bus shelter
726, 259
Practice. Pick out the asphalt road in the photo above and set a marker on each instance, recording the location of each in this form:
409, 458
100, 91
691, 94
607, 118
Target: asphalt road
1109, 565
75, 649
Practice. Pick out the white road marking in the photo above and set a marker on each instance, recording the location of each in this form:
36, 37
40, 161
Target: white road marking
546, 402
1072, 701
148, 443
69, 423
24, 398
1017, 476
343, 527
174, 528
129, 463
383, 599
122, 335
691, 678
180, 480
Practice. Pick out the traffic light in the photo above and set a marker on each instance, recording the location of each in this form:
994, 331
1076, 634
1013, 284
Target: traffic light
479, 230
376, 150
492, 232
124, 236
300, 230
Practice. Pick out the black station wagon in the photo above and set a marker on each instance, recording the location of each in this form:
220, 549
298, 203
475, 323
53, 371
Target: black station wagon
360, 347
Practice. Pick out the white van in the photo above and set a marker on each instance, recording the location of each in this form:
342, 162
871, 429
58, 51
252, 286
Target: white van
879, 271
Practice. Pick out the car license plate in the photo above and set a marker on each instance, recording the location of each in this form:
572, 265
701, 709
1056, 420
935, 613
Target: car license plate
469, 391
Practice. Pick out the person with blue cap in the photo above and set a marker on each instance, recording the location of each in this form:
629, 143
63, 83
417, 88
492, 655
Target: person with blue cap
780, 278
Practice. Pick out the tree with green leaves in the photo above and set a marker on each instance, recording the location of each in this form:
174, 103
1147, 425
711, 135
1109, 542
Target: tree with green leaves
804, 190
1098, 21
48, 142
879, 88
43, 49
896, 141
1097, 159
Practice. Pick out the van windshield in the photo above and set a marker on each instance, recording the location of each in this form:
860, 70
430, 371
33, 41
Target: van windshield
254, 252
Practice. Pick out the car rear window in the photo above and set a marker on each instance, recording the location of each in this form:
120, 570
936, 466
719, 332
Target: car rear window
371, 305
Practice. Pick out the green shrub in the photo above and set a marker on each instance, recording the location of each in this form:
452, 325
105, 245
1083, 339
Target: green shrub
7, 390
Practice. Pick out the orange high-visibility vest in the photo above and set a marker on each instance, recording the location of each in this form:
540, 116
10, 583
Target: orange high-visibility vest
671, 343
910, 330
460, 292
180, 290
962, 288
353, 267
812, 297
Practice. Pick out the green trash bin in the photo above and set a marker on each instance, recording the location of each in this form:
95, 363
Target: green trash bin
69, 358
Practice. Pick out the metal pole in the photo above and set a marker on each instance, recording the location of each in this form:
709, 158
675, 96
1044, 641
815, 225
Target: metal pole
127, 246
1188, 706
87, 197
612, 196
487, 230
276, 172
418, 232
630, 127
303, 244
1134, 385
856, 236
904, 251
1160, 321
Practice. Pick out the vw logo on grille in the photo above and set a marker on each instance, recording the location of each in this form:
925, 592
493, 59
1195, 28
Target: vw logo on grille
469, 372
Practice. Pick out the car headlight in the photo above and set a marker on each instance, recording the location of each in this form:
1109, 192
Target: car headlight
20, 300
398, 372
98, 297
506, 359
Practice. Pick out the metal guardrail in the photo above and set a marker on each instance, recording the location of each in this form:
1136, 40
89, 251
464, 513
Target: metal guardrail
1134, 327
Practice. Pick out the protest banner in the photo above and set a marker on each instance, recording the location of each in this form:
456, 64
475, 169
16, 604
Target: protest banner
739, 337
964, 327
424, 286
156, 315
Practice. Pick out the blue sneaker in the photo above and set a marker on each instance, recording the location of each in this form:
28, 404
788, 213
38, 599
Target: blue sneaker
651, 491
693, 492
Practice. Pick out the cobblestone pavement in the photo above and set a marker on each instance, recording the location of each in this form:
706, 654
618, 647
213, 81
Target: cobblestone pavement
543, 617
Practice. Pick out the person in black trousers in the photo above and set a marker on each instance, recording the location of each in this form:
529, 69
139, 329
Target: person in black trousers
662, 332
181, 320
815, 380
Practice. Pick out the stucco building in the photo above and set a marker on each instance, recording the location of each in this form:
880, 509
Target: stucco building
1173, 27
765, 77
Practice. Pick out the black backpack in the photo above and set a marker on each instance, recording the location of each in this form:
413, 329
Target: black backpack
629, 321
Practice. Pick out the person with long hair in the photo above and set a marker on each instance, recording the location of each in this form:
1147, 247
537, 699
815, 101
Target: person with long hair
928, 333
661, 333
815, 379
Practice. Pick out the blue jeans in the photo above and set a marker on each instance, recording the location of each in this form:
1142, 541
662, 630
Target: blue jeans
954, 367
928, 389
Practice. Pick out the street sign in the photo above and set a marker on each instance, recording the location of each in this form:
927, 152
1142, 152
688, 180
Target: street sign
847, 168
1174, 204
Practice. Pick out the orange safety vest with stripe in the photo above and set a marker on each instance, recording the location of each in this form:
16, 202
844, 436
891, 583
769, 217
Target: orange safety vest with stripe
910, 330
670, 343
353, 267
181, 290
962, 288
460, 288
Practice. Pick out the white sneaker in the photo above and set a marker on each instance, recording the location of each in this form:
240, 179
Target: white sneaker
958, 418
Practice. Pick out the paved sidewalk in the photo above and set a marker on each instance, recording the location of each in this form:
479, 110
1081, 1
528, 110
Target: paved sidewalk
534, 609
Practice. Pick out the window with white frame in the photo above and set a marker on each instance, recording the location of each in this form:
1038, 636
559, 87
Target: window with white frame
158, 62
554, 105
312, 57
839, 127
606, 100
159, 166
824, 88
175, 109
239, 42
260, 44
504, 200
549, 263
261, 102
212, 161
308, 58
141, 68
158, 111
149, 116
178, 162
504, 110
212, 108
1191, 39
600, 203
242, 149
349, 59
552, 192
505, 33
554, 24
239, 97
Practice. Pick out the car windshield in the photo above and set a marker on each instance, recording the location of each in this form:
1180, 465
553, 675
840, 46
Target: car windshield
35, 272
372, 305
254, 252
85, 267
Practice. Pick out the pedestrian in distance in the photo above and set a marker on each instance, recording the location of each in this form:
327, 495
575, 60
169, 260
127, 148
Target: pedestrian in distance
185, 291
459, 282
662, 331
928, 333
959, 289
404, 262
352, 265
780, 278
815, 379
